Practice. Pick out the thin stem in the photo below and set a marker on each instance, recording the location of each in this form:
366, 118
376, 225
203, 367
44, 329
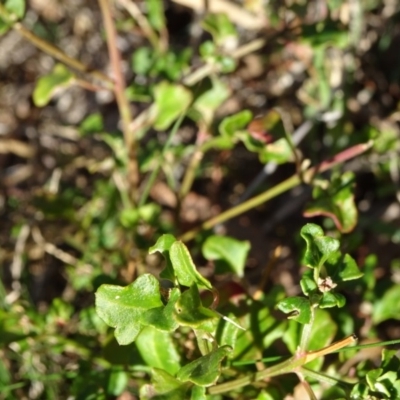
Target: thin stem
190, 173
292, 365
61, 56
282, 187
155, 171
122, 101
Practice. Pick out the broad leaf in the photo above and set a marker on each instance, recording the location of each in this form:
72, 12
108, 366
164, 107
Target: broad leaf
170, 101
336, 202
298, 308
388, 306
122, 307
158, 349
319, 248
48, 85
205, 370
230, 254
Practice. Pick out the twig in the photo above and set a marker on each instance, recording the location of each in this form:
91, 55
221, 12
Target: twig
287, 184
17, 264
122, 101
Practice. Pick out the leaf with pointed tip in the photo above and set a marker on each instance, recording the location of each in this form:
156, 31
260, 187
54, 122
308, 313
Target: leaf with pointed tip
164, 387
184, 268
230, 254
298, 308
205, 370
233, 124
163, 317
190, 312
122, 307
320, 248
48, 85
163, 246
332, 299
336, 202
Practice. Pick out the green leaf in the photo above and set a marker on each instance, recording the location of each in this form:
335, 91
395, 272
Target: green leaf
322, 334
184, 268
332, 299
121, 307
388, 306
205, 370
93, 123
298, 308
156, 14
348, 269
163, 317
221, 29
158, 349
164, 387
117, 382
163, 246
230, 254
319, 248
170, 101
198, 393
234, 123
208, 102
16, 7
336, 202
308, 285
48, 85
189, 311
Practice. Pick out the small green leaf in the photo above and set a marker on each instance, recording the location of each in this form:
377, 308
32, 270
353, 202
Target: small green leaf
163, 246
184, 268
234, 123
388, 306
190, 312
198, 393
163, 317
230, 254
336, 202
220, 27
117, 381
121, 307
164, 387
348, 269
156, 14
93, 123
158, 349
308, 285
205, 370
16, 7
298, 308
320, 248
47, 85
170, 101
332, 299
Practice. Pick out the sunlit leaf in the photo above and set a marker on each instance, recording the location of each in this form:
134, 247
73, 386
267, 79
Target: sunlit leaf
228, 253
121, 307
297, 308
48, 85
158, 349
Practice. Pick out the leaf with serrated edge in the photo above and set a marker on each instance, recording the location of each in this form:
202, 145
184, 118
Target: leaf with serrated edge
121, 307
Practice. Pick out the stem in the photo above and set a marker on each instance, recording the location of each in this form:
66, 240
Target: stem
190, 173
155, 171
289, 366
122, 101
282, 187
60, 55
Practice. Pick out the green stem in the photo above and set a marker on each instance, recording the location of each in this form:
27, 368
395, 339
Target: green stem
122, 100
155, 171
306, 333
61, 56
291, 365
282, 187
